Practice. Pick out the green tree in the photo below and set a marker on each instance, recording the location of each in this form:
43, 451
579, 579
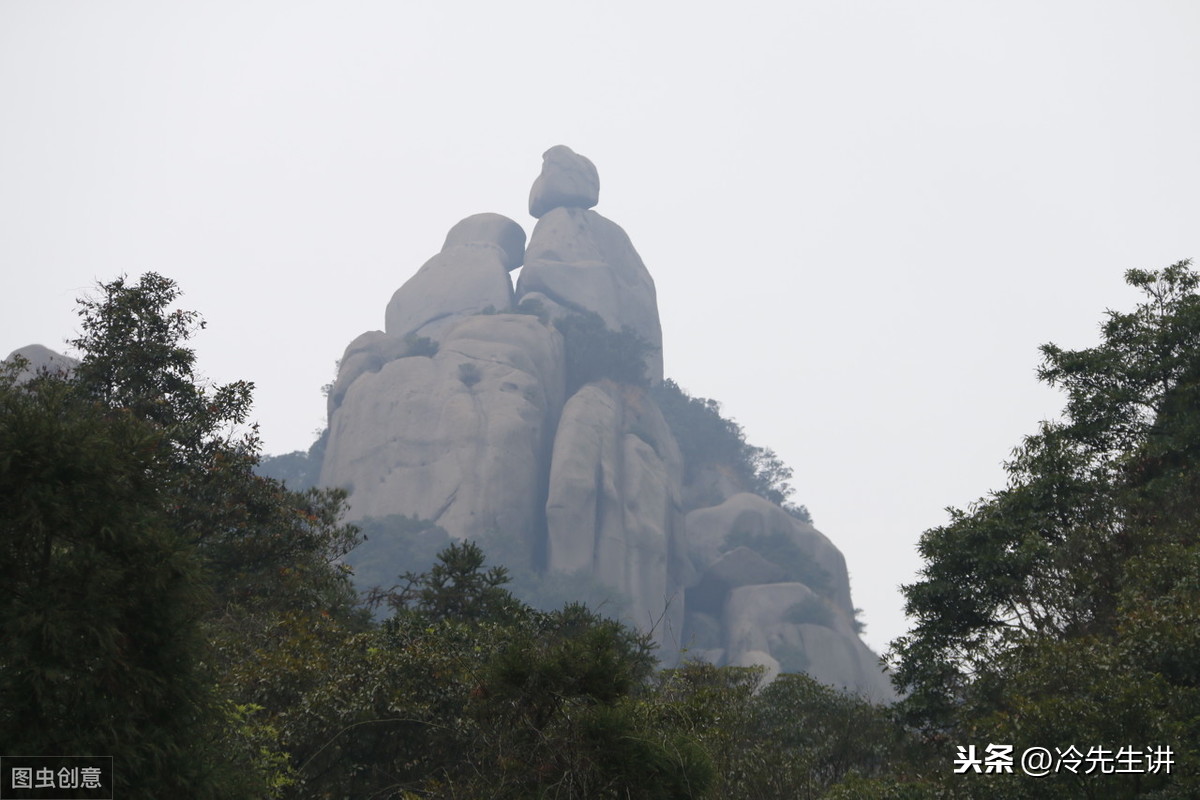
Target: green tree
102, 637
268, 556
135, 356
560, 713
262, 544
1063, 608
709, 439
457, 587
593, 352
790, 738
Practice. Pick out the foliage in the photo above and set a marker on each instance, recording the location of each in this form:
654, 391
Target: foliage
557, 712
134, 357
102, 639
457, 587
420, 346
467, 693
593, 352
169, 606
708, 439
298, 470
240, 547
392, 546
469, 374
262, 544
533, 308
1064, 608
792, 738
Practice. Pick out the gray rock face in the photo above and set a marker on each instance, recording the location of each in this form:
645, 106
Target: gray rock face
568, 180
468, 276
460, 438
740, 566
779, 588
39, 358
762, 620
475, 434
579, 261
748, 517
614, 501
367, 353
495, 230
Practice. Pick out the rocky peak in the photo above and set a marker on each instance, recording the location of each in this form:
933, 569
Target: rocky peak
39, 358
568, 180
459, 413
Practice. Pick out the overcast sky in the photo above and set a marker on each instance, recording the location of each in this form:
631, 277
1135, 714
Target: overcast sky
862, 217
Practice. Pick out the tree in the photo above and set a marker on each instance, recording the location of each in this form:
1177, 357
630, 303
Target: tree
135, 356
258, 554
1063, 608
102, 637
457, 587
707, 439
593, 352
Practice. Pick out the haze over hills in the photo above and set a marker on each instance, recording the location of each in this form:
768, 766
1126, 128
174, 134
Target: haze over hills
536, 420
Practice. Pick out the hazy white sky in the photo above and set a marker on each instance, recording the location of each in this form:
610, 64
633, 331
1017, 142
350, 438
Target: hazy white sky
862, 217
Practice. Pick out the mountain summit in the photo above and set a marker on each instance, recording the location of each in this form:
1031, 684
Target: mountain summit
535, 419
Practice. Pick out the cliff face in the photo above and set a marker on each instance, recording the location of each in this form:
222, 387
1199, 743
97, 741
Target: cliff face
463, 412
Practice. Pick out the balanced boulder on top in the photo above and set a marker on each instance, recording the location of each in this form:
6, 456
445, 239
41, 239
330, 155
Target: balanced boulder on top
468, 276
568, 180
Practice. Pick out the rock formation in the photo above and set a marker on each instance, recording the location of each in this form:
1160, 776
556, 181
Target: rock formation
614, 508
460, 437
39, 358
458, 413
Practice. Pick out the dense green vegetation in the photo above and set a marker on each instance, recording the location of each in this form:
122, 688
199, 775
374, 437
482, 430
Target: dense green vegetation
165, 605
708, 439
592, 352
1064, 609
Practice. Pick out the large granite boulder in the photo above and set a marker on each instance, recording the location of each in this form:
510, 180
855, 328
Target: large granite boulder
468, 276
568, 180
456, 414
747, 519
461, 438
613, 506
778, 592
794, 626
579, 261
741, 566
39, 358
367, 353
490, 230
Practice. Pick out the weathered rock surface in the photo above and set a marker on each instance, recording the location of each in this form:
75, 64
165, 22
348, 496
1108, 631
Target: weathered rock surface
579, 261
473, 432
494, 230
746, 518
778, 587
460, 438
38, 358
767, 619
613, 504
468, 276
740, 566
568, 180
367, 353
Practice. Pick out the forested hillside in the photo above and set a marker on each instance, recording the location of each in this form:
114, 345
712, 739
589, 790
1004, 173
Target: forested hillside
165, 605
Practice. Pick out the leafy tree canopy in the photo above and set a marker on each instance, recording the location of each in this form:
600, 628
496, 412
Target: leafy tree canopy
593, 352
708, 438
1065, 607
